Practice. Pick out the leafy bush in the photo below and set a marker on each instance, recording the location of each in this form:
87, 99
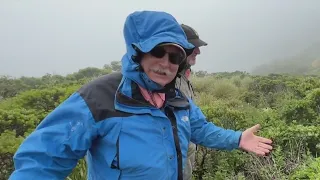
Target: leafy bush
287, 107
308, 170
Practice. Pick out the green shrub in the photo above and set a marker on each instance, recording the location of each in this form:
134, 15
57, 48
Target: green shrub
287, 107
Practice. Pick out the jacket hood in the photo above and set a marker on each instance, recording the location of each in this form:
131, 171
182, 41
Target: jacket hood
144, 30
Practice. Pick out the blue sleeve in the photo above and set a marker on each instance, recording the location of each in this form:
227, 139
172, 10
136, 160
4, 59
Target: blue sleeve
209, 135
53, 149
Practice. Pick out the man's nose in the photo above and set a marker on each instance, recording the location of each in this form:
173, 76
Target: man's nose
197, 50
165, 61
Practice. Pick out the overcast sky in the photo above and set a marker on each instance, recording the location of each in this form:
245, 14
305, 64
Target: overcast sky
63, 36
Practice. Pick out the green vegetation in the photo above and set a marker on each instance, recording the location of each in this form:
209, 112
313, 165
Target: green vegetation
287, 107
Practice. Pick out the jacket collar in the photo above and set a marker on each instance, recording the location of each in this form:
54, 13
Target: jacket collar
129, 99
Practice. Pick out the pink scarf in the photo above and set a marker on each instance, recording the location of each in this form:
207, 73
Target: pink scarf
159, 98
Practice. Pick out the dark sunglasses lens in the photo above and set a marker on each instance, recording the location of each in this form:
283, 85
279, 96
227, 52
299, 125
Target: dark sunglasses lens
189, 51
175, 58
158, 52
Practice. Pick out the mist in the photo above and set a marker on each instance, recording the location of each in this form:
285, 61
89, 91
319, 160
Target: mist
61, 37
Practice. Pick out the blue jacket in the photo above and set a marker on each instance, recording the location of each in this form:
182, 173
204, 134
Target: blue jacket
121, 135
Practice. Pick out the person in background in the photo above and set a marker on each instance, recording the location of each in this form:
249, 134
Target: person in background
183, 83
134, 124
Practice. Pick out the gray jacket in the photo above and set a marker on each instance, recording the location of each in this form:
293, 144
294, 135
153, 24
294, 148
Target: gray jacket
185, 86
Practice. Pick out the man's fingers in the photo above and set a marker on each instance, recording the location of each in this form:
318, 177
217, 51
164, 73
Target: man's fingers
265, 140
264, 150
265, 146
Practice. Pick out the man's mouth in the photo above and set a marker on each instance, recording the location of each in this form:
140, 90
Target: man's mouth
159, 72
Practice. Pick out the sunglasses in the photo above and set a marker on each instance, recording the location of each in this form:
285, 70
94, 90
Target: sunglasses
174, 57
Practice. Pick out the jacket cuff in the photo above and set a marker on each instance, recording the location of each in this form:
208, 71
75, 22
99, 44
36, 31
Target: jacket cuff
237, 139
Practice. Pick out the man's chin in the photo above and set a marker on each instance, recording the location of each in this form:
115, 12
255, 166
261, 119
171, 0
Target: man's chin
161, 81
192, 62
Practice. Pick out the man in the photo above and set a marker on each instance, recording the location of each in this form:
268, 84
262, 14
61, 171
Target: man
133, 124
185, 86
183, 82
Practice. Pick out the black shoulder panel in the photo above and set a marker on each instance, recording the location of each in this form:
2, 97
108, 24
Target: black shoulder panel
99, 95
179, 103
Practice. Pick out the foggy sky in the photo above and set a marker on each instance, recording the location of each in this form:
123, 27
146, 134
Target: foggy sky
62, 36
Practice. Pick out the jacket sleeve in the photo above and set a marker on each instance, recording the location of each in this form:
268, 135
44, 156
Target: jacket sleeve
209, 135
53, 149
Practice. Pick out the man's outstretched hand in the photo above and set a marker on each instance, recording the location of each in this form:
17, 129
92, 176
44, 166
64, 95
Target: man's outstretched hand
256, 144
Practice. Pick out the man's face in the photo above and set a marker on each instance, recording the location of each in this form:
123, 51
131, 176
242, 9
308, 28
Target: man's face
192, 58
157, 65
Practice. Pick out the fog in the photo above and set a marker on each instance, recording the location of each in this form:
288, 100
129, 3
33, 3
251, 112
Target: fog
63, 36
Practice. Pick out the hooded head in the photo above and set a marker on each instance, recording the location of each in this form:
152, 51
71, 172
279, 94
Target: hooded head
144, 30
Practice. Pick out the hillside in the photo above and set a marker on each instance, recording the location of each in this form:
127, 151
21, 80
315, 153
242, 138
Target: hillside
286, 106
306, 62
